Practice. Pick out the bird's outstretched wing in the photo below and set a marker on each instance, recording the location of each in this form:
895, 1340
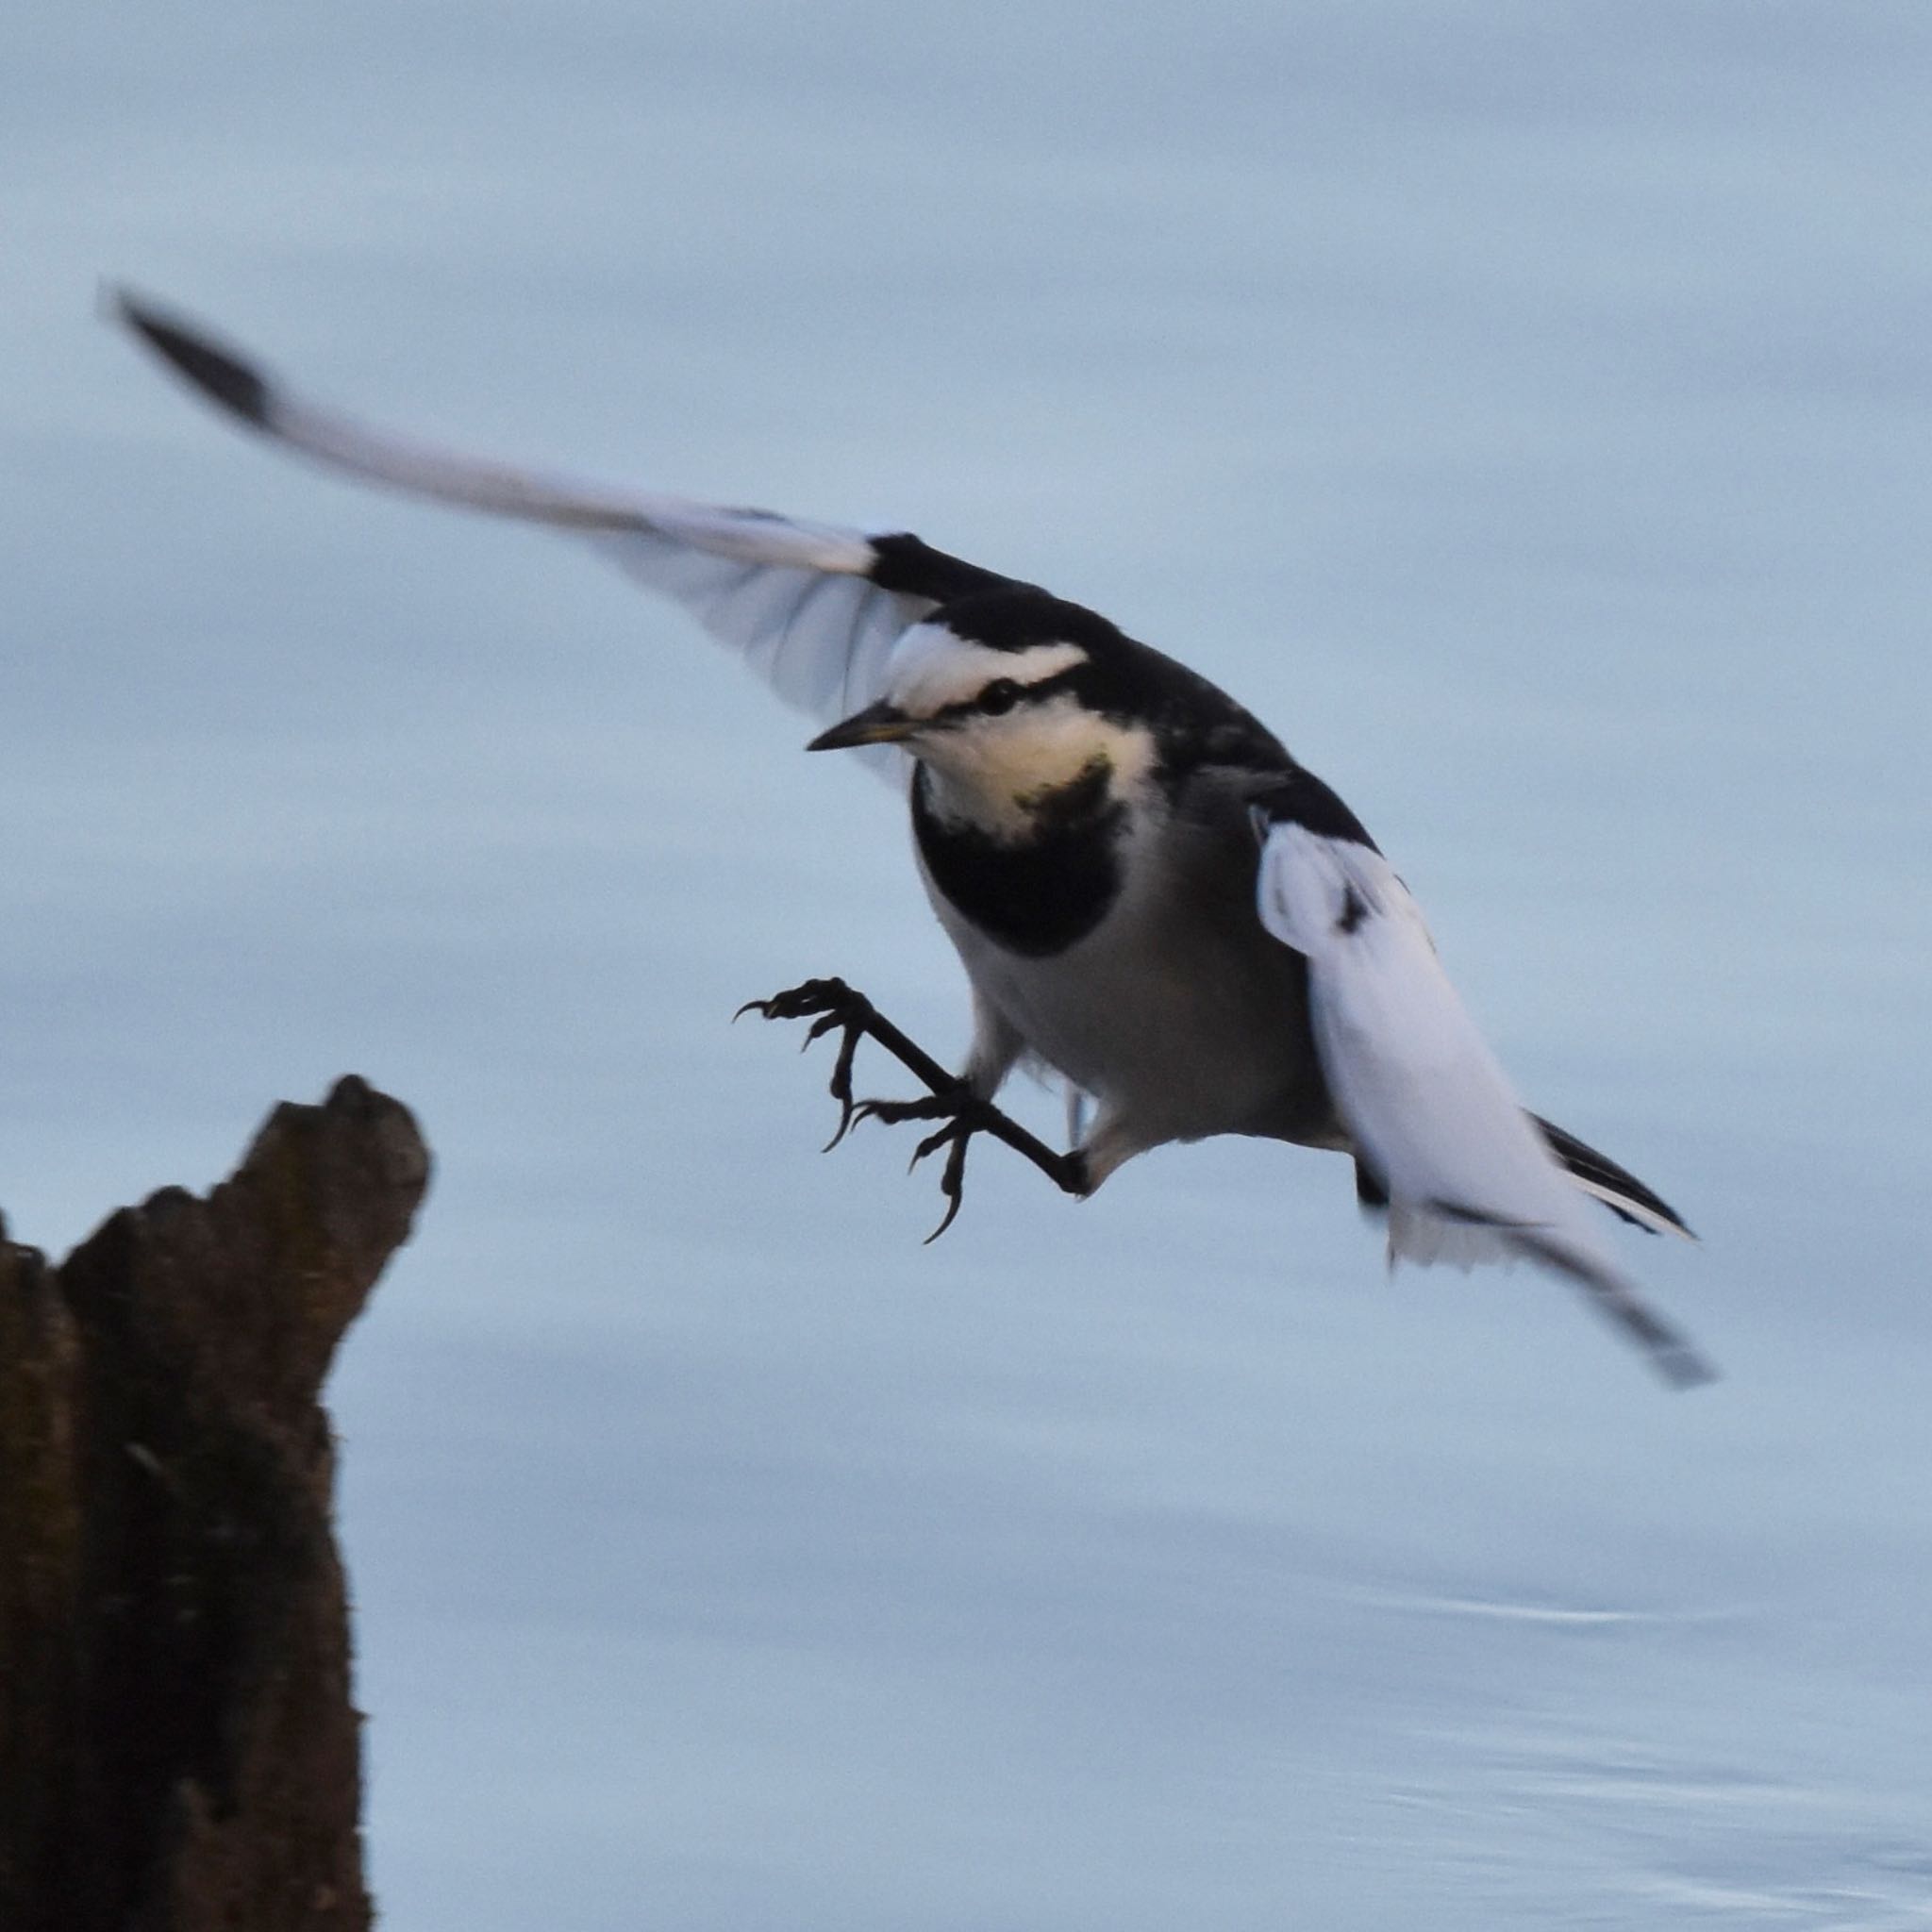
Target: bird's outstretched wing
1469, 1176
813, 607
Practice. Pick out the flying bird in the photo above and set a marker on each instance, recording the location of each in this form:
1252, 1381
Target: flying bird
1152, 899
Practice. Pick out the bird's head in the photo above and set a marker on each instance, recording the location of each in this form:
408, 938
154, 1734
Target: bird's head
1005, 699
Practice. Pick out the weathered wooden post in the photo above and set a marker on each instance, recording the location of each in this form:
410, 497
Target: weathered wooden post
178, 1749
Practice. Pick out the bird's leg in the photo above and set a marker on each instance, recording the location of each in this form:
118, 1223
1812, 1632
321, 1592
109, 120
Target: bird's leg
833, 1007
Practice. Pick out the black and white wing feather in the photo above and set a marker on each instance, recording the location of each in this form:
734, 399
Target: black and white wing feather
813, 607
1469, 1176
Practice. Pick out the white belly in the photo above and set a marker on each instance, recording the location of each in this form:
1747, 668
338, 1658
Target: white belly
1181, 1019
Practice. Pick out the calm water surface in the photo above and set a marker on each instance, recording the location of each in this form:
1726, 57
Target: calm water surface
1525, 410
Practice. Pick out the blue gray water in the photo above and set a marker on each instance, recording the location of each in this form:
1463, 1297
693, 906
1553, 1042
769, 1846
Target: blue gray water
1525, 409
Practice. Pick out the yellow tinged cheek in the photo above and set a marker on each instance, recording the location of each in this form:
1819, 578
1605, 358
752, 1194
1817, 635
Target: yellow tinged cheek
996, 778
1021, 765
1025, 767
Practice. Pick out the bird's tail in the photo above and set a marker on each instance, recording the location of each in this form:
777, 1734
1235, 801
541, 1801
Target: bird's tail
1619, 1190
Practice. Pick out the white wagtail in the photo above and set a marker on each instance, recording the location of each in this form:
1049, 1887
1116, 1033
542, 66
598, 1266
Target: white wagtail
1151, 898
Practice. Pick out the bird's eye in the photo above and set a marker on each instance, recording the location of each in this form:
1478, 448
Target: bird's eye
1002, 694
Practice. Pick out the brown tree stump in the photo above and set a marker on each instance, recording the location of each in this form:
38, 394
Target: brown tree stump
178, 1750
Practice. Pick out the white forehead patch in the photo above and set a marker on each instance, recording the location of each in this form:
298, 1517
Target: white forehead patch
931, 667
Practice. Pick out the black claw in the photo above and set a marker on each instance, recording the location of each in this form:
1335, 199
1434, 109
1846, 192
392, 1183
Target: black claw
946, 1219
833, 1007
841, 1081
953, 1182
955, 1137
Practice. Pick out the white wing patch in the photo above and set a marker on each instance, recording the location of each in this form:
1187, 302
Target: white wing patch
1431, 1111
794, 599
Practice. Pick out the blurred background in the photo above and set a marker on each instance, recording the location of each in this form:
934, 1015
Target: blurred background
1524, 409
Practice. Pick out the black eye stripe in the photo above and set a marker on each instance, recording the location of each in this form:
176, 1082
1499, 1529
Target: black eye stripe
977, 706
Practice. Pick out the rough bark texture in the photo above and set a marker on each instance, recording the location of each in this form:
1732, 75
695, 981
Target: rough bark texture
178, 1751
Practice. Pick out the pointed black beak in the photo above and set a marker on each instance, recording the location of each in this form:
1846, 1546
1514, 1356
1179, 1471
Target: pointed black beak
879, 723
